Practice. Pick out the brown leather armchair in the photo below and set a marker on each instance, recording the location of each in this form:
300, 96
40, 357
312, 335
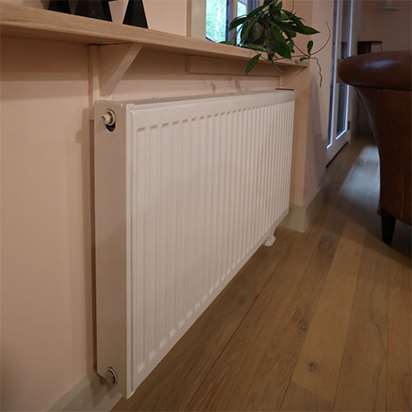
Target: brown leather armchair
384, 83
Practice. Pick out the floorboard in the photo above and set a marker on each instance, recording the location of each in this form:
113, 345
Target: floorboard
399, 370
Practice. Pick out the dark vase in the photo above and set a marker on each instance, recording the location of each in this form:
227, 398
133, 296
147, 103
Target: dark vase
135, 15
62, 6
97, 9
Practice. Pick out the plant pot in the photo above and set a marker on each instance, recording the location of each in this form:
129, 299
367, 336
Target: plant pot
61, 6
135, 14
96, 9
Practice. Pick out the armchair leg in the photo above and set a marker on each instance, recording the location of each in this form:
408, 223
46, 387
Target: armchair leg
388, 227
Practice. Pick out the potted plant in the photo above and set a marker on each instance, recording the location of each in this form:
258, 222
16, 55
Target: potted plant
271, 31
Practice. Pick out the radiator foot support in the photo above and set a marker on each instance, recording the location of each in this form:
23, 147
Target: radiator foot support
270, 240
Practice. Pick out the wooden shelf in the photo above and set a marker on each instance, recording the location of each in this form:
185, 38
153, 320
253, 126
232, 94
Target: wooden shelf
20, 21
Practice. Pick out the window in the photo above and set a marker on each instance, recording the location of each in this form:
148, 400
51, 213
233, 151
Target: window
219, 13
217, 20
241, 11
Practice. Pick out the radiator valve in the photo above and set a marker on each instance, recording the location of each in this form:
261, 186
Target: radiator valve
111, 376
109, 119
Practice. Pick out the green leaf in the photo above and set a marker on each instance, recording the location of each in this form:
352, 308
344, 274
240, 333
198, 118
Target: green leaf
282, 49
283, 16
310, 46
289, 33
293, 17
276, 33
306, 30
291, 45
288, 29
279, 44
251, 64
256, 33
237, 21
246, 31
275, 8
256, 11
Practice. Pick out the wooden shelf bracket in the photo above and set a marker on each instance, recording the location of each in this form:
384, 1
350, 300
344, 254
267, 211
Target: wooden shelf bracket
108, 64
115, 59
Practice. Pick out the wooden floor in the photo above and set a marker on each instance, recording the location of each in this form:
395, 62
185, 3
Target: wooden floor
319, 321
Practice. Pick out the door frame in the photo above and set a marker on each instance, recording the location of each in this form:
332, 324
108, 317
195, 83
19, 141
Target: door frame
337, 141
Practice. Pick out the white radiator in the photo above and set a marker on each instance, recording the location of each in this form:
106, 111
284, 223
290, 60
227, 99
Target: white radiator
185, 192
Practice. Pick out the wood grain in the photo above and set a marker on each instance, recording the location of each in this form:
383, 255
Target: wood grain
319, 365
301, 399
363, 375
399, 370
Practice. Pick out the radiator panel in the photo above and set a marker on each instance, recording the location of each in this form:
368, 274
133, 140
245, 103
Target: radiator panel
204, 182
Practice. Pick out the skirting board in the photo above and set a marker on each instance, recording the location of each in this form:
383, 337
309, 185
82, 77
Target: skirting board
300, 217
91, 394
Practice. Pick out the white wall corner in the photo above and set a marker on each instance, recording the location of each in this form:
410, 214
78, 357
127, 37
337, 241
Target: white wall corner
301, 217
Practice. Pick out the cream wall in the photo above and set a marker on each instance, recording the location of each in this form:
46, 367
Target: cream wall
167, 15
394, 28
45, 214
312, 106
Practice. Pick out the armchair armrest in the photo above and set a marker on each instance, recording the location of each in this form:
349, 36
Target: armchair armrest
387, 70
